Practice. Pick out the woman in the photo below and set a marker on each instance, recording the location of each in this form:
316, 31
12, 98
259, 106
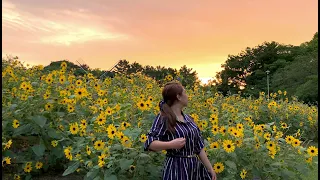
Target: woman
177, 133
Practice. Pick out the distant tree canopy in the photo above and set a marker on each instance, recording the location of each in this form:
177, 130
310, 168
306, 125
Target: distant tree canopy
189, 77
291, 68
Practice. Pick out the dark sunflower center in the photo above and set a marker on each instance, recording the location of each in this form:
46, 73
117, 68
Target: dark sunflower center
99, 144
112, 132
218, 167
229, 146
74, 129
312, 151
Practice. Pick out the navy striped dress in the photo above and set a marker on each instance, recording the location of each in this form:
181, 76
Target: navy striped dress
175, 166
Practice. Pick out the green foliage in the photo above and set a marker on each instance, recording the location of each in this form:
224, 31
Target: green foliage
292, 68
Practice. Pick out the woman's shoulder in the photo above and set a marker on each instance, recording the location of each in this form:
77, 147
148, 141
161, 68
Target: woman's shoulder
188, 117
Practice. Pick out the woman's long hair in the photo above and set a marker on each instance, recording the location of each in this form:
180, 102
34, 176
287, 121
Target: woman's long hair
169, 94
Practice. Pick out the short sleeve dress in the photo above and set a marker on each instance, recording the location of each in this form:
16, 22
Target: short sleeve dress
178, 163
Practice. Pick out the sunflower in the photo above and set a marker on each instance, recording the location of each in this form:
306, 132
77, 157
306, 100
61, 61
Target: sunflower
274, 128
240, 127
239, 142
218, 167
296, 143
213, 117
54, 143
78, 82
15, 124
149, 86
88, 150
7, 160
289, 139
49, 79
223, 130
63, 65
126, 142
215, 130
143, 138
236, 133
132, 168
23, 97
111, 131
267, 136
120, 135
228, 146
83, 124
62, 79
74, 128
101, 120
271, 145
309, 159
284, 125
124, 126
102, 157
23, 85
150, 99
70, 108
142, 105
257, 145
109, 111
16, 177
214, 145
204, 124
39, 165
312, 151
48, 107
99, 145
28, 168
169, 77
243, 174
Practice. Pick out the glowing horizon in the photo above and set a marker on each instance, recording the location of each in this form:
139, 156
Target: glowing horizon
199, 35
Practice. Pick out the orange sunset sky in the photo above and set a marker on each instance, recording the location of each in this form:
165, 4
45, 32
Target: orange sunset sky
199, 34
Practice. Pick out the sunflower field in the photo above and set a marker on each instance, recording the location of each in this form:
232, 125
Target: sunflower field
97, 128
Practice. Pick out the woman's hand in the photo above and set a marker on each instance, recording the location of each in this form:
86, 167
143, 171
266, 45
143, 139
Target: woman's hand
177, 143
213, 175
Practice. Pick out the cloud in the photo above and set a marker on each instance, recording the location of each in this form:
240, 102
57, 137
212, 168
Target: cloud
57, 31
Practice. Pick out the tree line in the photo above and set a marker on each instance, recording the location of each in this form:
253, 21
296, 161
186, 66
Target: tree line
289, 68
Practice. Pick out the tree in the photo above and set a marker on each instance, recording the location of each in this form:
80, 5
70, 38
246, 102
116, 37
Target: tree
248, 69
122, 67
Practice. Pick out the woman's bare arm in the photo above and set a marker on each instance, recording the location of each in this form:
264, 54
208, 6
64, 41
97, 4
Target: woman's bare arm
204, 158
164, 145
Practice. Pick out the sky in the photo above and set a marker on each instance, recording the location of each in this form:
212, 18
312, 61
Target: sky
198, 34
